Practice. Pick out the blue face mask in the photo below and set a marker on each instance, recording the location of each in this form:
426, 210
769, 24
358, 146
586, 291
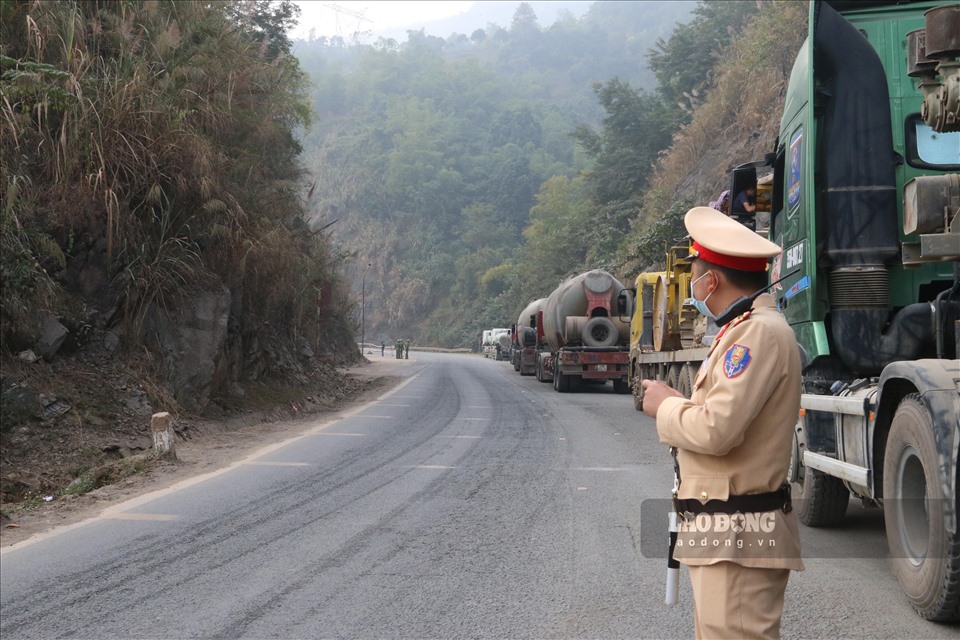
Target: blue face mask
701, 305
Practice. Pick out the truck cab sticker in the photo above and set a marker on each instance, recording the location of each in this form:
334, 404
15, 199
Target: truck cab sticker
801, 284
775, 270
794, 175
794, 256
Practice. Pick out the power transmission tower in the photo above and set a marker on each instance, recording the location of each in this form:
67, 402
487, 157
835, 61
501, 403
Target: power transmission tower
356, 15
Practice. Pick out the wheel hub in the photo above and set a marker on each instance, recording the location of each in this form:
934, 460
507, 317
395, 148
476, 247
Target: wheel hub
914, 518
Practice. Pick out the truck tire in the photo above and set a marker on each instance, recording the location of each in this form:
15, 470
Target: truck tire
621, 386
561, 382
685, 380
925, 557
673, 376
822, 500
600, 332
538, 370
638, 372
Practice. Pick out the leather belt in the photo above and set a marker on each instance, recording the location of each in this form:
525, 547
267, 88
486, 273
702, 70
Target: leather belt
750, 503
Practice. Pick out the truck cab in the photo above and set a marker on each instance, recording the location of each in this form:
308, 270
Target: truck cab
865, 204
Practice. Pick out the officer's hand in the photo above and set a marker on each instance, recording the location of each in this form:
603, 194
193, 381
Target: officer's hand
654, 393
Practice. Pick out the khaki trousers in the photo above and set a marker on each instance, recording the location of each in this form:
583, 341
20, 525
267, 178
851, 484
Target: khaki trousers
733, 601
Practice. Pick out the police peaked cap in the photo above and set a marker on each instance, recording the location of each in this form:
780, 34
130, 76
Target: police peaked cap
725, 242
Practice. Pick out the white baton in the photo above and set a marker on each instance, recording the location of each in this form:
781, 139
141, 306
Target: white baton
673, 567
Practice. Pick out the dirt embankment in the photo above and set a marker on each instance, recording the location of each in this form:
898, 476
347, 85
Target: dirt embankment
61, 448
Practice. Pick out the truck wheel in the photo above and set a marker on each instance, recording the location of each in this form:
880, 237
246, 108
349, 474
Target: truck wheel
637, 389
538, 370
561, 382
673, 376
621, 386
925, 558
600, 332
685, 381
822, 499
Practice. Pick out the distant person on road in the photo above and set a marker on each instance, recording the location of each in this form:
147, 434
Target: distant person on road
731, 440
383, 347
406, 349
398, 349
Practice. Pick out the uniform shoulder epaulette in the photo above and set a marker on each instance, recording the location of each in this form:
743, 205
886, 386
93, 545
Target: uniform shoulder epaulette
729, 325
742, 317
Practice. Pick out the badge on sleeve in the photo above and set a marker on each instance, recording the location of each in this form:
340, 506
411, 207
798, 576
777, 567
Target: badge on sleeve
736, 360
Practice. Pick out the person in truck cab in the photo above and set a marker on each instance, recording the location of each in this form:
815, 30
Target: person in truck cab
745, 204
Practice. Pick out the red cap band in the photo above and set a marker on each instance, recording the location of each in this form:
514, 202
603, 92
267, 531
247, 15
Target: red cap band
733, 262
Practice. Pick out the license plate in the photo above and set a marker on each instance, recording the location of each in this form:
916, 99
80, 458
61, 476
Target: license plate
601, 367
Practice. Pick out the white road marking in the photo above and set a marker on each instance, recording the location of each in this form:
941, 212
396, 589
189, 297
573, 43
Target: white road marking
465, 437
331, 433
146, 517
430, 466
269, 463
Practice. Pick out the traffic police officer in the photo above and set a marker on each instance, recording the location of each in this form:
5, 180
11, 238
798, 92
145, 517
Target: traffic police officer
737, 534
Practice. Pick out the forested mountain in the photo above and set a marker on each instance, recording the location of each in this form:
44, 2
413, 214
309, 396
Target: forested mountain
475, 172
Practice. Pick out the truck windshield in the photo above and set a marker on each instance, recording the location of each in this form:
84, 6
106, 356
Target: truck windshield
930, 149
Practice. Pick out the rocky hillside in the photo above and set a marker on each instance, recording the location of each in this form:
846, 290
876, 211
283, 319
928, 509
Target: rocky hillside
737, 122
154, 252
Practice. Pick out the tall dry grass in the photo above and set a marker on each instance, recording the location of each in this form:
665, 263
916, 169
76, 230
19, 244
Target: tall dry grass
163, 129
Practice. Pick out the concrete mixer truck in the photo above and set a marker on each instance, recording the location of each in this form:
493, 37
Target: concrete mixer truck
495, 343
524, 345
584, 327
866, 205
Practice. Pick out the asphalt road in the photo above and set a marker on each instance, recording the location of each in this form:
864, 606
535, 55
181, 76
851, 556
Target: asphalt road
468, 502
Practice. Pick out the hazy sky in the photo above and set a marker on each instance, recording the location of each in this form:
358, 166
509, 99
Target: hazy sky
347, 17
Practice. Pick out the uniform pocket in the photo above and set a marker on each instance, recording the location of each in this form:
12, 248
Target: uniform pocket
704, 488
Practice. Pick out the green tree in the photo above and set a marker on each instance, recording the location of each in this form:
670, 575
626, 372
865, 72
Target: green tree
637, 127
684, 62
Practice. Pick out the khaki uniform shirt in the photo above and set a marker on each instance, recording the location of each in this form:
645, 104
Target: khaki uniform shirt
734, 437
